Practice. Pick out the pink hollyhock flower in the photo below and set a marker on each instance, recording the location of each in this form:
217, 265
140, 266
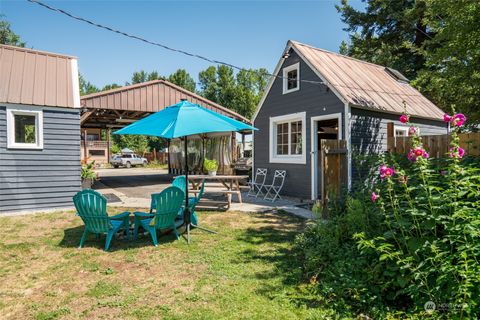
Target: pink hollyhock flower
457, 152
458, 119
446, 118
404, 118
412, 131
386, 172
375, 197
418, 152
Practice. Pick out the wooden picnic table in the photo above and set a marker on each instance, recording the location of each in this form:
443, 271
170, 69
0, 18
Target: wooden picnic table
230, 182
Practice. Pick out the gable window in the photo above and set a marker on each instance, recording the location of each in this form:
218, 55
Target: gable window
24, 128
291, 78
287, 138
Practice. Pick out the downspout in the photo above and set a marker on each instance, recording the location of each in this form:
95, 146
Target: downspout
348, 139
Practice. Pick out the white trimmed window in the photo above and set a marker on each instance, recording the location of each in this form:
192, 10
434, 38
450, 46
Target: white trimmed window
24, 128
287, 138
400, 131
291, 78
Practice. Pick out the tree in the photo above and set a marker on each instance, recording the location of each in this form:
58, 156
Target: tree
391, 33
451, 76
142, 76
111, 86
183, 79
435, 43
86, 87
240, 93
7, 36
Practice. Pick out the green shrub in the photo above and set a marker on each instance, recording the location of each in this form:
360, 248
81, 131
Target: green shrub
210, 165
419, 241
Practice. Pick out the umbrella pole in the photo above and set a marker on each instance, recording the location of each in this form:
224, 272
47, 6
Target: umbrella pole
186, 216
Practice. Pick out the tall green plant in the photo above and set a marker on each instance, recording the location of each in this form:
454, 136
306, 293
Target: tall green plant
431, 248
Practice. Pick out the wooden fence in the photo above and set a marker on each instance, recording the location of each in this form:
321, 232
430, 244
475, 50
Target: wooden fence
437, 146
161, 157
333, 165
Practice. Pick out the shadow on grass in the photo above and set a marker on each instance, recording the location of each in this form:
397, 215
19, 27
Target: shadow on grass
72, 236
277, 233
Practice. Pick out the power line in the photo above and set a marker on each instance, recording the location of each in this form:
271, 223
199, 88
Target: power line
61, 11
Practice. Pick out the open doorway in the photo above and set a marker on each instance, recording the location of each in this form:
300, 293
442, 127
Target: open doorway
328, 127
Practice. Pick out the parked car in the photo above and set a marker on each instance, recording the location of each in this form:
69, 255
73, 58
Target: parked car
127, 160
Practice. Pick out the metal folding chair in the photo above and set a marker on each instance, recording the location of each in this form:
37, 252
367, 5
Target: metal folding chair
257, 184
276, 186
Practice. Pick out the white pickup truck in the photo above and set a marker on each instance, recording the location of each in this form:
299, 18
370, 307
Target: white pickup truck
127, 160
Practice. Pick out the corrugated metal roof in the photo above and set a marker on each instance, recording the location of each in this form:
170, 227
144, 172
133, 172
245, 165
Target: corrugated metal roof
366, 84
35, 77
150, 96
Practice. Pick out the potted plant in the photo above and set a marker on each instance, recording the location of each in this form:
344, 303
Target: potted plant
88, 175
211, 167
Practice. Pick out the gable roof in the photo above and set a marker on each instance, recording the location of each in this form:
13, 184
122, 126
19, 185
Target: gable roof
151, 96
362, 84
35, 77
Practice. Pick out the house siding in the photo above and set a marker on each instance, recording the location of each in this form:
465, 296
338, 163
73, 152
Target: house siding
315, 100
369, 129
42, 179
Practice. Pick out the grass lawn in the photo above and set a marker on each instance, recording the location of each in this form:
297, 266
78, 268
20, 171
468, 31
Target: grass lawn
247, 271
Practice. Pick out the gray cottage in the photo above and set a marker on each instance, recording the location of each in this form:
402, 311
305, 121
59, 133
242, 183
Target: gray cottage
39, 130
318, 94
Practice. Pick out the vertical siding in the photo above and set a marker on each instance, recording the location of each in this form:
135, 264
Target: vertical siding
41, 179
315, 100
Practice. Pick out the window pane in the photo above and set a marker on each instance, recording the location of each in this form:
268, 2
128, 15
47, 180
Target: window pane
292, 79
296, 137
282, 138
25, 129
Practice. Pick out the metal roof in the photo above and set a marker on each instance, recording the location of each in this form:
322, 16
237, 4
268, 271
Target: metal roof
150, 96
35, 77
365, 84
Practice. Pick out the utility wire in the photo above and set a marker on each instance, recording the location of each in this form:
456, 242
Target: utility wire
200, 56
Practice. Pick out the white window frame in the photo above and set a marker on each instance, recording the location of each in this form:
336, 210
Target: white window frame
295, 158
28, 111
400, 128
286, 70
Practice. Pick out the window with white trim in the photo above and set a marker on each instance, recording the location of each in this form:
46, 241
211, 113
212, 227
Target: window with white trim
400, 131
24, 128
287, 138
291, 78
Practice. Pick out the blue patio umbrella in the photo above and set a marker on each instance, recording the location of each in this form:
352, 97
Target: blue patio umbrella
180, 121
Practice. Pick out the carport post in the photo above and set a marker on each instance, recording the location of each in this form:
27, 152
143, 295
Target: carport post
108, 145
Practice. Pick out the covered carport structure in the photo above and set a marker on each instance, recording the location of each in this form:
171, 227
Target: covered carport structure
116, 108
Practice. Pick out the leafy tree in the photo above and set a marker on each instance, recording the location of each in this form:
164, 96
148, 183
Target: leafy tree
86, 87
389, 32
452, 71
137, 143
183, 79
435, 43
142, 76
240, 93
7, 36
111, 86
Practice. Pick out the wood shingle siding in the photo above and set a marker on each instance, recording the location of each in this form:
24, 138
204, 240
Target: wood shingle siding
46, 178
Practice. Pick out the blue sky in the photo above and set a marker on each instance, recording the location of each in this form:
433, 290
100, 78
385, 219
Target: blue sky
249, 34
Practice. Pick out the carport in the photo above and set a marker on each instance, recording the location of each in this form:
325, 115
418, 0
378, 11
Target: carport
110, 110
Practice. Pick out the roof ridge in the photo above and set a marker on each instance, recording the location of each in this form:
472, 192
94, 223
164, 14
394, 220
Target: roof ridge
336, 53
47, 53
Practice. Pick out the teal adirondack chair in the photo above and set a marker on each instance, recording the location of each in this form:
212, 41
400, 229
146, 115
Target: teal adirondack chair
179, 182
168, 205
92, 208
192, 203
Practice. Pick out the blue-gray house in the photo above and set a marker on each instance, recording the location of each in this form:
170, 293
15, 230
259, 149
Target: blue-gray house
39, 130
318, 94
